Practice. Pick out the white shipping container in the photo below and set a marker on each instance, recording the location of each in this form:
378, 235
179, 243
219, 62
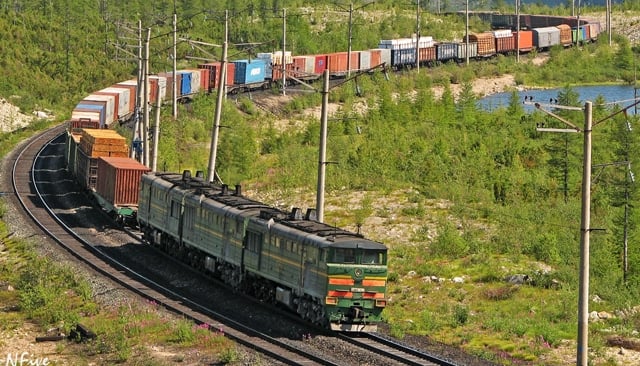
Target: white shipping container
124, 106
110, 116
365, 60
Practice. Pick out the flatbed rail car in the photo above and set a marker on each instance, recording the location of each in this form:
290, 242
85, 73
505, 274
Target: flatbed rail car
329, 276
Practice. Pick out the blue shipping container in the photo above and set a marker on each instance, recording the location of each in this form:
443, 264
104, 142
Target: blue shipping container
248, 72
185, 83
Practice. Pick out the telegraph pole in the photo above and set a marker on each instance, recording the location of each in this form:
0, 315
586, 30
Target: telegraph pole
518, 31
466, 33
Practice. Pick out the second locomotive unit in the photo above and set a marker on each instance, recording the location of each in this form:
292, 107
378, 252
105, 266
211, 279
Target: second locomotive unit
329, 276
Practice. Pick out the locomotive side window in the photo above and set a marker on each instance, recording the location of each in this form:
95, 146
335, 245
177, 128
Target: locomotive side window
175, 209
253, 241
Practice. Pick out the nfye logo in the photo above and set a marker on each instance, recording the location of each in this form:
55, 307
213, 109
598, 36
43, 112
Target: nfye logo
23, 359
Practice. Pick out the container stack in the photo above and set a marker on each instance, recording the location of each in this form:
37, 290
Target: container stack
96, 143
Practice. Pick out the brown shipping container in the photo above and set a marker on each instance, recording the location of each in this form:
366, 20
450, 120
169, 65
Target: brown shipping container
486, 43
119, 180
565, 34
427, 54
78, 124
214, 73
505, 44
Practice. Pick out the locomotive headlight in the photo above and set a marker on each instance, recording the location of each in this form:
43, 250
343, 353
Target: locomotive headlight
358, 272
381, 303
331, 301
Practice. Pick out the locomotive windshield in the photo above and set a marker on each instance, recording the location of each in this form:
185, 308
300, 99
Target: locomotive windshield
358, 256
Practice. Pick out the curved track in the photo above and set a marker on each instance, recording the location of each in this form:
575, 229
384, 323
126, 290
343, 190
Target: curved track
39, 181
32, 177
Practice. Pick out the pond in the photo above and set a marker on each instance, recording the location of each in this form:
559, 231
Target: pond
620, 94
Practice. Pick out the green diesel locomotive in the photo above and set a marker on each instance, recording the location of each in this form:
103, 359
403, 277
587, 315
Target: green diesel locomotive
329, 276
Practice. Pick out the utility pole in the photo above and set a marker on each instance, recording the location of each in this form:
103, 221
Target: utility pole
211, 173
518, 31
156, 135
322, 161
418, 36
583, 297
349, 39
145, 119
466, 33
284, 41
174, 84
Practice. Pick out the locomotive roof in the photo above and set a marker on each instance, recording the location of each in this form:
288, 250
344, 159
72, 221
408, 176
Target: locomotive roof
295, 219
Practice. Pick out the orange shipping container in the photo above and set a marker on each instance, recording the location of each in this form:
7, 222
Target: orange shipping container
525, 40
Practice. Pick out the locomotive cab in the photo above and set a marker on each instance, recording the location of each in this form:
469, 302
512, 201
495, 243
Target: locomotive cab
357, 276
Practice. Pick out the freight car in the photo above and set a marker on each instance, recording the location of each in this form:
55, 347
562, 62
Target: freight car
329, 276
98, 160
118, 103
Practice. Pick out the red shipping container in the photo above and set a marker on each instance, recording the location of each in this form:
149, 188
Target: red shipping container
214, 73
299, 66
153, 91
505, 44
338, 62
376, 57
320, 64
119, 180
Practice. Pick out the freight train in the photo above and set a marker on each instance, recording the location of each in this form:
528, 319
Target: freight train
329, 276
118, 103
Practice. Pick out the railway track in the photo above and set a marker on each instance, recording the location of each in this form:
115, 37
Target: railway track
37, 175
393, 349
33, 177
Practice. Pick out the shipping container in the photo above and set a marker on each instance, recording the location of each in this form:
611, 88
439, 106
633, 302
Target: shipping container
249, 71
214, 73
546, 37
446, 51
566, 34
594, 30
119, 180
185, 82
579, 35
320, 64
365, 60
121, 98
132, 85
524, 40
486, 43
376, 57
110, 106
338, 62
94, 111
385, 57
